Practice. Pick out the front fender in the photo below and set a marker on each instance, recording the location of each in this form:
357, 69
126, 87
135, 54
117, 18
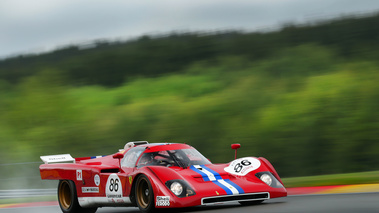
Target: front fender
158, 177
271, 168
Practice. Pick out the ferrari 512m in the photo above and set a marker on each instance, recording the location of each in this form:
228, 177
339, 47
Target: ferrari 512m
159, 175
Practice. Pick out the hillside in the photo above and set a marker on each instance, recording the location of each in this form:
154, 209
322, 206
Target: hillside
112, 63
304, 97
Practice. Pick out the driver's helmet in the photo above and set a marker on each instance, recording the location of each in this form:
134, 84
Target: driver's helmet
146, 159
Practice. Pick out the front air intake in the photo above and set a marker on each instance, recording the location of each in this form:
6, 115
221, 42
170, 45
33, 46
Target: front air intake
231, 198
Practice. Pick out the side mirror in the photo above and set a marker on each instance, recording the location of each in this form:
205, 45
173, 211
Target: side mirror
118, 156
236, 146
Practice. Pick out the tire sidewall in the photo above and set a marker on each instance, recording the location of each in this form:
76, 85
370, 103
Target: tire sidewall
74, 200
151, 205
74, 207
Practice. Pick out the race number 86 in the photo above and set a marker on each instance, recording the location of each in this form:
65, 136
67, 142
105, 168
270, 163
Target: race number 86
113, 186
239, 166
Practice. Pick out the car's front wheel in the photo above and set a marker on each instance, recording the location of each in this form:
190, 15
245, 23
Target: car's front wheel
144, 194
68, 199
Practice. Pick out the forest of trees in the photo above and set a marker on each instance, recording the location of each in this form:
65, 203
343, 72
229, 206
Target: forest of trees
306, 97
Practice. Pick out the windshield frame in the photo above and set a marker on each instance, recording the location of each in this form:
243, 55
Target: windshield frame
175, 157
133, 155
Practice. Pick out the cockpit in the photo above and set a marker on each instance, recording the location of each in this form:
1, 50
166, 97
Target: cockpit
178, 157
181, 158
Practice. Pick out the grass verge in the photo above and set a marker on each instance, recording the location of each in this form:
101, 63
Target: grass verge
335, 179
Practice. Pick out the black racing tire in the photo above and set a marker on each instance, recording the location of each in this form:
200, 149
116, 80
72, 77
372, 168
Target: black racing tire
68, 198
253, 202
144, 194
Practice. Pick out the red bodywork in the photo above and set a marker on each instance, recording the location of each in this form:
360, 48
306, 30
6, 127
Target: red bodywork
96, 180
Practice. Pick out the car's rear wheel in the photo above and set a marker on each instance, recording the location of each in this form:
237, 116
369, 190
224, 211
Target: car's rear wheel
144, 194
68, 199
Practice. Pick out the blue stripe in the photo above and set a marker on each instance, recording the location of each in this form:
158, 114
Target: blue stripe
93, 157
227, 190
217, 175
240, 190
205, 176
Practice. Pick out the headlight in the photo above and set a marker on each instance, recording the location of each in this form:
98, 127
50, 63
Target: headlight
267, 179
180, 188
176, 188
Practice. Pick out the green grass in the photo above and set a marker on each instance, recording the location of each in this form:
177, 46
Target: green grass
335, 179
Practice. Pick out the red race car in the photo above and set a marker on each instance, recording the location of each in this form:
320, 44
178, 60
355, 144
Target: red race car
159, 175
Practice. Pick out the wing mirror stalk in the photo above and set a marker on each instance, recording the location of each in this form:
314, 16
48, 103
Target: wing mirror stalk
236, 146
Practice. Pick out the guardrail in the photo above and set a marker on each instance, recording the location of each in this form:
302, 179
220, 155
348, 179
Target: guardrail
20, 193
22, 180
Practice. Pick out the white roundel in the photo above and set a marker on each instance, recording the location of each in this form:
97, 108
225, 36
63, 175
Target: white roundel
97, 180
243, 166
113, 189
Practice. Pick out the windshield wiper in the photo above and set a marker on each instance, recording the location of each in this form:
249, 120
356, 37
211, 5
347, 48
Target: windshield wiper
179, 162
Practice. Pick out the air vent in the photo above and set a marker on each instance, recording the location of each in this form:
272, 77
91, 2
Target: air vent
110, 170
231, 198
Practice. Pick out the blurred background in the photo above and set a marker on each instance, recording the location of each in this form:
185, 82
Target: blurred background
291, 81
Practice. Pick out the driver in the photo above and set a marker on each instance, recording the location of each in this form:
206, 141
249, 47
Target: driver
147, 159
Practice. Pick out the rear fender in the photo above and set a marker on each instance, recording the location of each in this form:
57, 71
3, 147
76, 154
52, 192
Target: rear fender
67, 171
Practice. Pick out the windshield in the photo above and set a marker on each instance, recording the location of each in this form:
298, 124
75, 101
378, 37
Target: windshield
131, 157
181, 157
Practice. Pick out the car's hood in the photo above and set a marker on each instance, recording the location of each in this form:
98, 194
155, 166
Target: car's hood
212, 179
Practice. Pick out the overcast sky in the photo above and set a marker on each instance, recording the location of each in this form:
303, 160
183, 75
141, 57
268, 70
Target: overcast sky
28, 26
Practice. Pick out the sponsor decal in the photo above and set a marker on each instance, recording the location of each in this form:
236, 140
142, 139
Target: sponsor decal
116, 200
90, 189
162, 201
57, 158
120, 201
243, 166
96, 179
79, 175
113, 188
209, 175
217, 193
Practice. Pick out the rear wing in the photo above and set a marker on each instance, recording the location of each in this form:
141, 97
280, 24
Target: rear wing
65, 158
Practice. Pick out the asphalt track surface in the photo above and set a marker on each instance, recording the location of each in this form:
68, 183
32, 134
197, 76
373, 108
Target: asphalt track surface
334, 203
